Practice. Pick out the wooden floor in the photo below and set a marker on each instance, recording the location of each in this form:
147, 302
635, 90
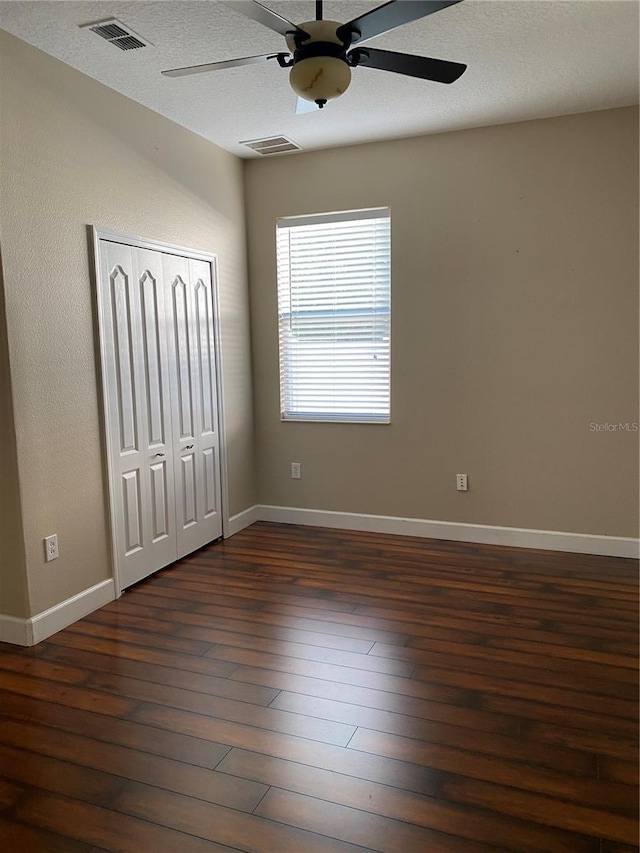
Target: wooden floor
297, 690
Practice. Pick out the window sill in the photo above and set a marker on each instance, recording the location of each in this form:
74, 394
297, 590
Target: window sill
335, 420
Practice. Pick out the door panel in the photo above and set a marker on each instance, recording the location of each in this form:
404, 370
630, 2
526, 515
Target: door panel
160, 502
155, 401
137, 403
183, 392
207, 424
181, 343
132, 512
192, 370
206, 359
120, 287
189, 500
210, 484
155, 390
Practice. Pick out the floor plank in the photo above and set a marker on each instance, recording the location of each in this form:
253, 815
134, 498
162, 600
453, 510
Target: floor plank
112, 830
566, 787
544, 810
127, 763
361, 827
21, 838
387, 801
169, 675
244, 713
243, 832
64, 777
385, 700
203, 753
555, 757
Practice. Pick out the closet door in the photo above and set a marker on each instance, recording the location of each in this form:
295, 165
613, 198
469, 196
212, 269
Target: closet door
136, 377
192, 365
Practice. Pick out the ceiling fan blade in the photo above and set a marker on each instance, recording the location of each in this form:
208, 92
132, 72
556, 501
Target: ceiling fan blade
217, 66
257, 12
438, 70
303, 107
389, 16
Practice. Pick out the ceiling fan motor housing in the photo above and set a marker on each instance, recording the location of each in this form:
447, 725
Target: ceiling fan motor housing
320, 71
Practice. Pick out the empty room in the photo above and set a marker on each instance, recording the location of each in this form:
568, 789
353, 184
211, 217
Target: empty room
319, 421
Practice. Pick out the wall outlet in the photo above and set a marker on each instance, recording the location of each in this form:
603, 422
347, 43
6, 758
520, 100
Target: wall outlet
51, 547
296, 471
461, 482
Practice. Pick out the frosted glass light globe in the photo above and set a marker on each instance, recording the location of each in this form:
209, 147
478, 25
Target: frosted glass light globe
320, 78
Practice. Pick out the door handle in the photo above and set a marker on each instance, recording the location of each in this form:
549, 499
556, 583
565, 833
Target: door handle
158, 454
188, 447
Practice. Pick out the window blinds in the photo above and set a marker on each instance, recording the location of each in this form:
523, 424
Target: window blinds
334, 292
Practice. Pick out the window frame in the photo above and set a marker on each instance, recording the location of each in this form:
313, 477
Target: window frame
320, 219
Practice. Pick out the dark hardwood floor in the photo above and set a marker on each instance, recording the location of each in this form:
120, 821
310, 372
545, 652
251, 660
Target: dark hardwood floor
300, 690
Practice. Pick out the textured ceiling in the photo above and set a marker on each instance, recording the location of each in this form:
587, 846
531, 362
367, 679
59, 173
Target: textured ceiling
527, 59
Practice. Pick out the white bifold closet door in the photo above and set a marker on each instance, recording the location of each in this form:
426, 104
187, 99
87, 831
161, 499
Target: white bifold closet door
159, 373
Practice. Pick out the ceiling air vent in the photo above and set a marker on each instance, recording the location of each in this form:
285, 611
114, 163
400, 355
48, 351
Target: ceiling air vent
116, 33
273, 145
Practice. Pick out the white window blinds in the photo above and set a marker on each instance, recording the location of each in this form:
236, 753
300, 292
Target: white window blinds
334, 310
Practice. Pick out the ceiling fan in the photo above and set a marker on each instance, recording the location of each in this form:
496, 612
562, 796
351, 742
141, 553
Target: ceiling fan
320, 53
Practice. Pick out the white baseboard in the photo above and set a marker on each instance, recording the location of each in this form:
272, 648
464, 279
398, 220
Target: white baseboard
548, 540
241, 520
13, 630
28, 632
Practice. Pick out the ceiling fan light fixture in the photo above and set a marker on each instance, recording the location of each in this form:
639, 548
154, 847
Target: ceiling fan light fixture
320, 55
320, 78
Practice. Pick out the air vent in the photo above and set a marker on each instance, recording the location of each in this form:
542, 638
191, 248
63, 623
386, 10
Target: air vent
109, 31
117, 34
274, 145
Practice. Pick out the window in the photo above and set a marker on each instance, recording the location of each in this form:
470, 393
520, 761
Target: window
334, 314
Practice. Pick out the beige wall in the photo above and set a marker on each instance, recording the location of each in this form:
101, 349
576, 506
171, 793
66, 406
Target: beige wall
13, 588
75, 153
515, 326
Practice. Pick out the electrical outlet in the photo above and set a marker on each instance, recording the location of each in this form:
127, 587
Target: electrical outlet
51, 547
296, 471
461, 482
